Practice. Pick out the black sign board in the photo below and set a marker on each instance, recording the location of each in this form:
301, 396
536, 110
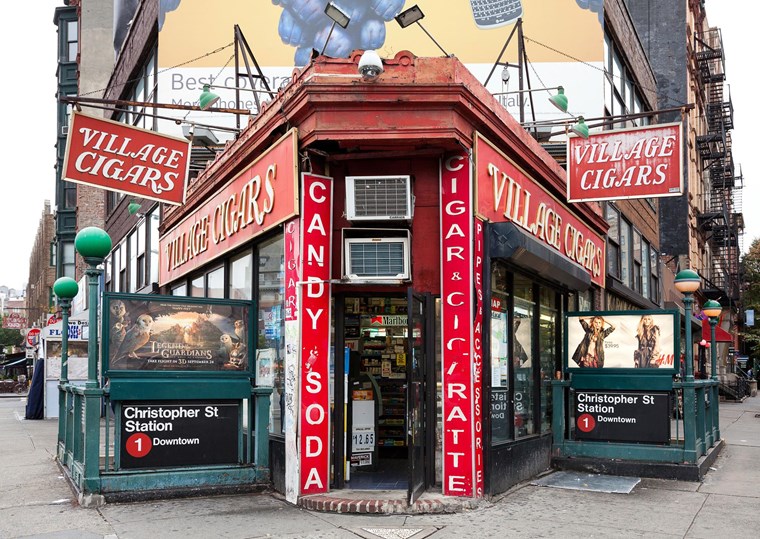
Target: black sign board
165, 434
622, 416
499, 412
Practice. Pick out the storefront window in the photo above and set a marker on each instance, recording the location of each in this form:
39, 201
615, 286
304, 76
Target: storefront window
522, 360
215, 283
241, 277
180, 290
499, 355
547, 335
270, 345
197, 287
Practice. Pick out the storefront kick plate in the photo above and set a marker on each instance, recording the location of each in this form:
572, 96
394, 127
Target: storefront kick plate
593, 482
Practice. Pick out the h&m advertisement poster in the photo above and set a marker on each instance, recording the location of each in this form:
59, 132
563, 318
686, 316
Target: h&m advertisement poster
177, 334
622, 340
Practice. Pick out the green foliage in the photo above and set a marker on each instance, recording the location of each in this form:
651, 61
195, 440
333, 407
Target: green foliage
10, 337
751, 296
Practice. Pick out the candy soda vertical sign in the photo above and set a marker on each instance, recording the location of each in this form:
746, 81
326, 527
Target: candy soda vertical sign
314, 319
459, 414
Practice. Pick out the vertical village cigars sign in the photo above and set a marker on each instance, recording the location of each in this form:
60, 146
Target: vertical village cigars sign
642, 162
118, 157
257, 199
504, 192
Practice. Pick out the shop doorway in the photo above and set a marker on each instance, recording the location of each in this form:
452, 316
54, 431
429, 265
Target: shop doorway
387, 380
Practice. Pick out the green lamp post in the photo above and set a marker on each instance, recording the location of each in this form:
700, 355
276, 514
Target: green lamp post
687, 282
65, 289
93, 244
712, 310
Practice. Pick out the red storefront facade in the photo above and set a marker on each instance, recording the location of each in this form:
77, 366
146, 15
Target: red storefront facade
410, 255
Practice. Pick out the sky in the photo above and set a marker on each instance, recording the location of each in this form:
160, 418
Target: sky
27, 140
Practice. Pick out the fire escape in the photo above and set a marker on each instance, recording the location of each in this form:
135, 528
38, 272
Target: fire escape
721, 219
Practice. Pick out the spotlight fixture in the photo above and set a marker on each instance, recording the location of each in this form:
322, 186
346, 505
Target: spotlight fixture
414, 15
559, 100
338, 16
208, 98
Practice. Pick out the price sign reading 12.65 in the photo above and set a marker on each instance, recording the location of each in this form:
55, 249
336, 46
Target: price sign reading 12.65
363, 440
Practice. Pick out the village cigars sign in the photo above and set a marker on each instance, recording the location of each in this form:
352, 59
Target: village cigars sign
314, 318
642, 162
259, 198
119, 157
462, 353
504, 192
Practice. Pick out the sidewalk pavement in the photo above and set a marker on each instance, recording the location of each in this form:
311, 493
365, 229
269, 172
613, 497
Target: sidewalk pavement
36, 501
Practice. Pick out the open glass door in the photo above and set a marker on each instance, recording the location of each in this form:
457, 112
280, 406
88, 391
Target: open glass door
415, 402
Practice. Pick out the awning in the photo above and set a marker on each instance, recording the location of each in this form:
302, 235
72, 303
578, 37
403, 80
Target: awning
15, 362
721, 335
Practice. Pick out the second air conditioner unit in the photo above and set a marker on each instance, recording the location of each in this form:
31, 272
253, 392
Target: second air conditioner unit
379, 198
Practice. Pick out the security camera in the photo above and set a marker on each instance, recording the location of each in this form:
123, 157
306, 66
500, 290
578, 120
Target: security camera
370, 65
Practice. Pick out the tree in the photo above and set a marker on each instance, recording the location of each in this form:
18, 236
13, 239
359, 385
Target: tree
751, 297
9, 337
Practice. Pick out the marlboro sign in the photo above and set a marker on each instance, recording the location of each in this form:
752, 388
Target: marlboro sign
126, 159
642, 162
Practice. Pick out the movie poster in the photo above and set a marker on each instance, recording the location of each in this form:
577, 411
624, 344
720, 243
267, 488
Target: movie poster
175, 334
612, 340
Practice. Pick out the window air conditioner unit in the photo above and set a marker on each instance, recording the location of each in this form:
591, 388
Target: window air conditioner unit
383, 257
378, 198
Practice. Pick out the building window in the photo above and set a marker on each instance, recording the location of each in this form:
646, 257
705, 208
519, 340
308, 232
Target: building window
241, 277
72, 41
152, 242
637, 261
613, 241
198, 286
108, 263
522, 356
215, 283
122, 276
271, 325
548, 331
625, 252
500, 415
646, 276
179, 290
68, 259
654, 267
132, 278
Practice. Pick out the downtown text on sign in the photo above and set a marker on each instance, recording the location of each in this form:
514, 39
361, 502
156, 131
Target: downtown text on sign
166, 434
624, 416
505, 193
259, 198
118, 157
642, 162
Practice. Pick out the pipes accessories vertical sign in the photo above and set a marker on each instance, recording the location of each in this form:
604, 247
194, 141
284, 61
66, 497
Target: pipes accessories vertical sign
314, 318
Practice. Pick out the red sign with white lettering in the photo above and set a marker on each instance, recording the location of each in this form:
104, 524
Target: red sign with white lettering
641, 162
506, 193
259, 198
314, 317
119, 157
458, 412
477, 371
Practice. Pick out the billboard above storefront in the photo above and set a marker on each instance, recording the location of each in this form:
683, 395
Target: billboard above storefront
260, 197
641, 162
506, 193
564, 45
118, 157
646, 341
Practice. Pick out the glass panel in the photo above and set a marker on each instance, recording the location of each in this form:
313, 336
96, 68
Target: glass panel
180, 290
132, 262
613, 219
215, 283
241, 277
270, 345
625, 253
645, 272
153, 246
613, 260
547, 340
522, 360
71, 30
197, 287
499, 355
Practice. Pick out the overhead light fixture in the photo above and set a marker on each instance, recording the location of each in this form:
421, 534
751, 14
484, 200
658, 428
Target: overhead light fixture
208, 98
580, 128
370, 65
133, 207
338, 16
414, 15
505, 74
559, 100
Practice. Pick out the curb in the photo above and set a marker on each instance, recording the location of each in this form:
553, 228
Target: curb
386, 506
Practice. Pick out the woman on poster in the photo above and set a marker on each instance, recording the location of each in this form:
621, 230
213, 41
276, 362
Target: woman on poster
648, 337
590, 351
